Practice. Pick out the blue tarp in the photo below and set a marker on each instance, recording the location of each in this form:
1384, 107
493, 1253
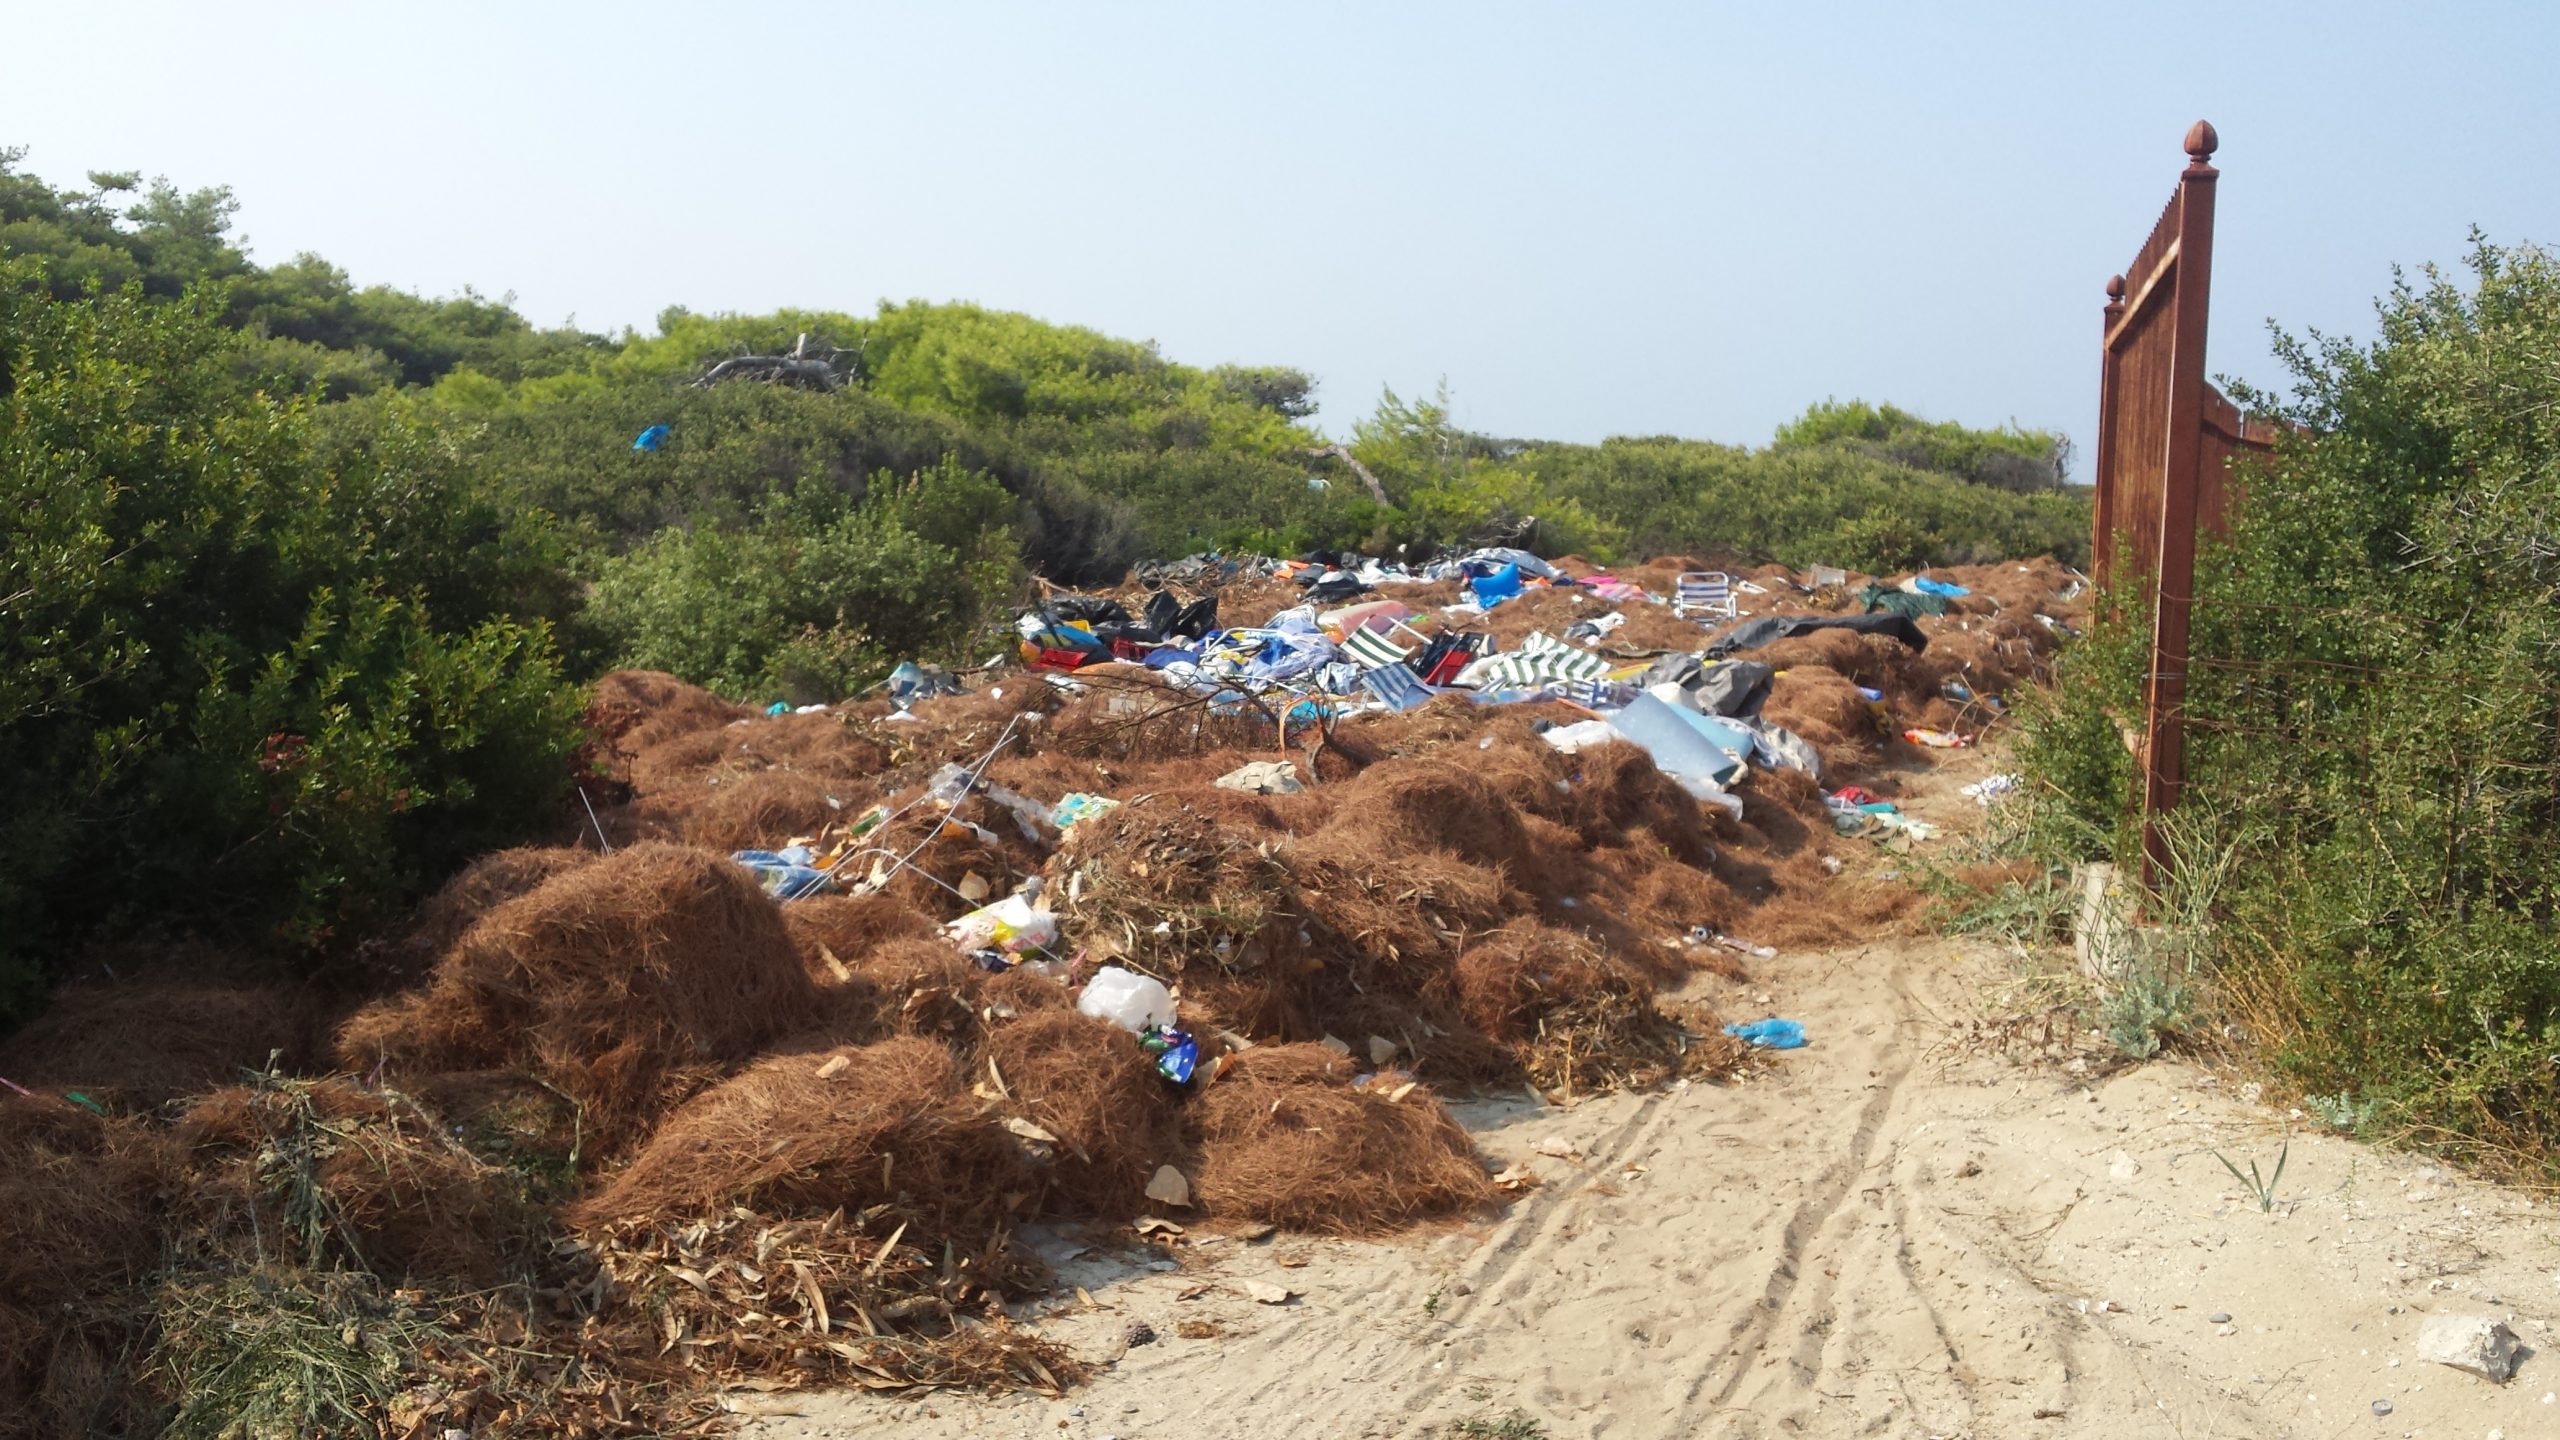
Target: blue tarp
1679, 739
1493, 589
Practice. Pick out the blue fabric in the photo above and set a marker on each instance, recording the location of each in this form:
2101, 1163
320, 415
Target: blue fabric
1927, 586
1770, 1034
652, 438
1493, 589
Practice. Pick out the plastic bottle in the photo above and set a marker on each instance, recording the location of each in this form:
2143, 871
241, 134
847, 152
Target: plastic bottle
950, 784
1134, 1002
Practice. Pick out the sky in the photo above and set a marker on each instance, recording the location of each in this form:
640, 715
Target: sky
1588, 220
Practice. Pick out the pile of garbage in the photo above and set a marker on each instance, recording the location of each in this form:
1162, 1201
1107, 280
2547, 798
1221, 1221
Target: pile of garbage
1192, 915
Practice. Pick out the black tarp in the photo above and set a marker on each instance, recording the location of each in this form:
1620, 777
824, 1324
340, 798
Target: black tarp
1168, 617
1770, 629
1735, 689
1334, 585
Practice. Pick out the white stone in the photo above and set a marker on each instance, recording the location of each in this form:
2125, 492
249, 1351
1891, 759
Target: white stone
2475, 1343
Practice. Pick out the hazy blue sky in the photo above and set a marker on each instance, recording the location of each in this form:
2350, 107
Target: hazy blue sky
1592, 219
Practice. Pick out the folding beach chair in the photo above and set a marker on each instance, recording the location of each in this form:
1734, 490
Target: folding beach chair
1370, 649
1442, 659
1704, 592
1396, 686
1555, 660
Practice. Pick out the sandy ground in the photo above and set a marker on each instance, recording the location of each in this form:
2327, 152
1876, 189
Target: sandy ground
1951, 1215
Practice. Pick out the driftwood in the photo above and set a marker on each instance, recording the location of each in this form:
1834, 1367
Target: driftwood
827, 369
1377, 491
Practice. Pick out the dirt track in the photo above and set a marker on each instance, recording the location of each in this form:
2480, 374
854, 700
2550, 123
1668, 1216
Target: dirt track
1906, 1229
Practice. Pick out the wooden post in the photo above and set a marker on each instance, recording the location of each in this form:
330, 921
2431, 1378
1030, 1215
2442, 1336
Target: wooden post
2102, 536
2164, 753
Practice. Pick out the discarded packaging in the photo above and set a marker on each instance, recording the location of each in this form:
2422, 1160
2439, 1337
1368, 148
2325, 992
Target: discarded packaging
1177, 1054
1770, 1034
1080, 806
1134, 1002
1263, 777
785, 874
1011, 925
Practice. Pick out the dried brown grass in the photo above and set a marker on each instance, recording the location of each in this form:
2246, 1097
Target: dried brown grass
141, 1043
82, 1196
1089, 1083
346, 1174
894, 1125
849, 927
482, 886
625, 983
1287, 1139
1163, 887
647, 708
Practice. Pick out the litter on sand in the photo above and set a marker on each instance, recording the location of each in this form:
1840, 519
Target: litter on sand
1772, 1034
774, 1072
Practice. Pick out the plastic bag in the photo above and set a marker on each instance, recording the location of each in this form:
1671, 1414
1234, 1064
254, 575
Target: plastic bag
785, 874
1012, 924
1134, 1002
1081, 806
1770, 1034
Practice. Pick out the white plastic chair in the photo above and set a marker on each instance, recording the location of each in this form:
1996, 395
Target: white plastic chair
1704, 592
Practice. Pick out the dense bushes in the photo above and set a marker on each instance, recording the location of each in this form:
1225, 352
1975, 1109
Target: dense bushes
2373, 731
238, 685
294, 574
819, 597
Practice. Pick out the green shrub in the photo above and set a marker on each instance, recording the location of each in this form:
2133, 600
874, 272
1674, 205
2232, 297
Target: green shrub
820, 597
2372, 736
239, 688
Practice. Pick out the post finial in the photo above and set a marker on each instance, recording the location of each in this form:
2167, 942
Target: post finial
2115, 289
2202, 141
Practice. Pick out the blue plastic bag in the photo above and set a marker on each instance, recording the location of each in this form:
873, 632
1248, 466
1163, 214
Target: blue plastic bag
1927, 586
1493, 589
1770, 1034
652, 438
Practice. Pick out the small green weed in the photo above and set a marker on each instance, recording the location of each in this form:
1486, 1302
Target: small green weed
2343, 1111
1518, 1425
2145, 1011
1431, 1303
281, 1353
2264, 1189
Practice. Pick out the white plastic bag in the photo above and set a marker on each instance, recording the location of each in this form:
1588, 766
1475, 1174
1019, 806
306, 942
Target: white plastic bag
1012, 924
1134, 1002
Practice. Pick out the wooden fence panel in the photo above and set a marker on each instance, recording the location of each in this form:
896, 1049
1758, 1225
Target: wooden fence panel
2166, 438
